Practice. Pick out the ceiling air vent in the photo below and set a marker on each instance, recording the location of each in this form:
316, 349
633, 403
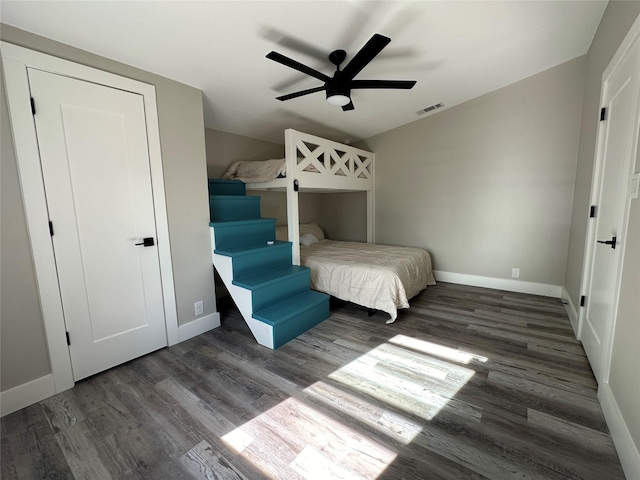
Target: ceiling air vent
430, 109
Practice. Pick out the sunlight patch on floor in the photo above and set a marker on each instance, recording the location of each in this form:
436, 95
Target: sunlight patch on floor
312, 464
438, 350
387, 422
237, 440
408, 380
295, 436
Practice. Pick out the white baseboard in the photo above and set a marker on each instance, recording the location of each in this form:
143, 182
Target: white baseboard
571, 310
26, 394
32, 392
510, 285
622, 439
199, 326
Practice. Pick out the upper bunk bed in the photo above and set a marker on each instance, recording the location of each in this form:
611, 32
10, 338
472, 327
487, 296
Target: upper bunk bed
317, 165
378, 277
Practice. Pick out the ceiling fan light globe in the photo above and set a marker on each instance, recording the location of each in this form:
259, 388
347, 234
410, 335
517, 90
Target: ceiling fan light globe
338, 100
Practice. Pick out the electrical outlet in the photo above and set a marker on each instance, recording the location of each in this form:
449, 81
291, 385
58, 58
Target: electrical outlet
199, 307
515, 272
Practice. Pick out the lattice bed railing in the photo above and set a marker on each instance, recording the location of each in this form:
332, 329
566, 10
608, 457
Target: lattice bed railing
320, 163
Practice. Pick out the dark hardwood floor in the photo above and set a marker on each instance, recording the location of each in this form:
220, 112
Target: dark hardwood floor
469, 383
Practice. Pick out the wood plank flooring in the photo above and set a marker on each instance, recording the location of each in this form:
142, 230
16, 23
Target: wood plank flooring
469, 383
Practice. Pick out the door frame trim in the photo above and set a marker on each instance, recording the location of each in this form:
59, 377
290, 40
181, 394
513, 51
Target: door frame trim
596, 183
16, 60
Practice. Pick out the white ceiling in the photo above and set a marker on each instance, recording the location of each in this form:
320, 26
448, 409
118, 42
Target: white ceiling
455, 50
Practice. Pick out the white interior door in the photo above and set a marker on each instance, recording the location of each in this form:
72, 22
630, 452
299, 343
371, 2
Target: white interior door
616, 150
95, 163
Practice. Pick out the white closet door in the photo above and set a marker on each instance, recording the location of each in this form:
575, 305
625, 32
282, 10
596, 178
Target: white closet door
621, 89
95, 162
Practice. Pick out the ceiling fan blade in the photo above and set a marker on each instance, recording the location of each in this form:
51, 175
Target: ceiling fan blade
286, 39
277, 57
348, 106
367, 53
404, 84
300, 93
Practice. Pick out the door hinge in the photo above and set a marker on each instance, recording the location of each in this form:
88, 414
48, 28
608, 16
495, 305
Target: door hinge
592, 211
603, 114
51, 228
583, 300
33, 106
68, 338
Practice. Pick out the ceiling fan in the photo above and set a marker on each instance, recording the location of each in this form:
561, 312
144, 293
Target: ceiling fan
338, 87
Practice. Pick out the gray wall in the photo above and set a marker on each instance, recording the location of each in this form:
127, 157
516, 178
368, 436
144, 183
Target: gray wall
344, 216
487, 185
22, 340
184, 163
624, 378
225, 148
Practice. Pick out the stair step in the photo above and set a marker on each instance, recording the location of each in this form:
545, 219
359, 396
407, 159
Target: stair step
274, 286
252, 282
295, 315
257, 258
229, 208
240, 250
217, 186
289, 308
282, 304
243, 232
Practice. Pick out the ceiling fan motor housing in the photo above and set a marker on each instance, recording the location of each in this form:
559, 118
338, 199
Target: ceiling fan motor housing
335, 87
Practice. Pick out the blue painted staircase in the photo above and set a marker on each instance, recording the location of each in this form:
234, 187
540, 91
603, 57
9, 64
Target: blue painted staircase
273, 295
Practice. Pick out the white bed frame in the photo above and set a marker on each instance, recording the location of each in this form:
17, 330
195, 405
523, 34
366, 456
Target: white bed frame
318, 165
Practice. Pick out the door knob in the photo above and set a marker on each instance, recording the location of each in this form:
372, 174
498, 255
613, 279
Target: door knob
147, 242
611, 242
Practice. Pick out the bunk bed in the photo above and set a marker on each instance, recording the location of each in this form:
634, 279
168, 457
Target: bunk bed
375, 276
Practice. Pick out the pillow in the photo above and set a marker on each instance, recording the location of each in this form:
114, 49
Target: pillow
308, 239
313, 229
282, 232
231, 171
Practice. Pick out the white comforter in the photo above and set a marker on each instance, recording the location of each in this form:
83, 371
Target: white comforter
374, 276
255, 172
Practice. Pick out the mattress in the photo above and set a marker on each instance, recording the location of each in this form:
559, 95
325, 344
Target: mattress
380, 277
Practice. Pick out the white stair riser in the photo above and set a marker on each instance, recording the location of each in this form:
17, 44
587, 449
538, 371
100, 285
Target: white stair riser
262, 332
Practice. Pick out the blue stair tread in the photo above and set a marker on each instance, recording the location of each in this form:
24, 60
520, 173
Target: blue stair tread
263, 279
225, 180
230, 187
249, 249
283, 311
236, 198
233, 223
